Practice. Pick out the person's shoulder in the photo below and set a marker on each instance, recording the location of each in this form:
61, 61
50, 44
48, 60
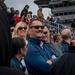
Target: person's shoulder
10, 71
13, 60
32, 47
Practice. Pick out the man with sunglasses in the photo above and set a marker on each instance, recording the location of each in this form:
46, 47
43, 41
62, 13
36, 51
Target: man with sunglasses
57, 48
38, 59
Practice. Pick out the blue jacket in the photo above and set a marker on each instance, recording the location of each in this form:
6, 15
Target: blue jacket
36, 58
15, 63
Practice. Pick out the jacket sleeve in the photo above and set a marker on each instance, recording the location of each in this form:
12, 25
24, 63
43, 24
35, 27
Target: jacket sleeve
52, 53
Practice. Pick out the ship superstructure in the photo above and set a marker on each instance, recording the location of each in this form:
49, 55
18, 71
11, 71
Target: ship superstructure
63, 8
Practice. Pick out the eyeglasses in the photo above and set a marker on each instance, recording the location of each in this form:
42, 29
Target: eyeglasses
37, 27
20, 28
45, 32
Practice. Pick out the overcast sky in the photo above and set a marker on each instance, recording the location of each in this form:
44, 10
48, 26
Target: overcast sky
19, 5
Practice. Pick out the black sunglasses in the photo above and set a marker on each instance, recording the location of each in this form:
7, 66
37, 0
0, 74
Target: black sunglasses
37, 27
20, 28
45, 32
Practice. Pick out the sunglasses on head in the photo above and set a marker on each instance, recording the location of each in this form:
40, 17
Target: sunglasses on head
20, 28
45, 32
37, 27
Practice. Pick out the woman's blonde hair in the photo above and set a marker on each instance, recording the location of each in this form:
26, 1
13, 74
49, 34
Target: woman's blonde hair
14, 33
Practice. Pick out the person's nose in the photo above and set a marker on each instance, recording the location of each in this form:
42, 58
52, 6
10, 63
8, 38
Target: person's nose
40, 28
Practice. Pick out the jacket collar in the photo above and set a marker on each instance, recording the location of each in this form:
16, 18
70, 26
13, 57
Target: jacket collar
64, 42
34, 40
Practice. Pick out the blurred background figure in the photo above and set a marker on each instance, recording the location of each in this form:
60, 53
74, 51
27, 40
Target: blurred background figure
25, 10
16, 16
57, 38
73, 23
10, 15
52, 19
66, 39
59, 22
35, 17
27, 18
40, 14
12, 10
3, 6
72, 41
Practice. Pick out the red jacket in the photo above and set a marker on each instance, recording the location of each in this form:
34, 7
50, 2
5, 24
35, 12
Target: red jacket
17, 18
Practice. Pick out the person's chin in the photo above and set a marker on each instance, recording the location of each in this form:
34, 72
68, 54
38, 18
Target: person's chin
39, 37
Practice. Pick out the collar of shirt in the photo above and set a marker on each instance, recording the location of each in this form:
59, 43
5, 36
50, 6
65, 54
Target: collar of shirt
41, 44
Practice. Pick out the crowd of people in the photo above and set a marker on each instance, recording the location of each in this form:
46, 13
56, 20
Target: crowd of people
27, 46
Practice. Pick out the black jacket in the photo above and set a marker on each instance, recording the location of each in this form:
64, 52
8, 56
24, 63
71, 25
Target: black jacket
23, 12
5, 40
65, 65
10, 71
73, 25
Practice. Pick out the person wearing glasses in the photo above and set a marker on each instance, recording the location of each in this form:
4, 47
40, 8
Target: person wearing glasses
38, 58
57, 48
20, 30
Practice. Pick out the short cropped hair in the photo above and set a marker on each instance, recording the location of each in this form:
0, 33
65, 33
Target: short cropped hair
33, 20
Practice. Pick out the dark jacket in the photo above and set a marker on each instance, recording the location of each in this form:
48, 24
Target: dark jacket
9, 15
3, 6
59, 22
10, 71
15, 63
73, 24
23, 12
11, 18
65, 65
65, 45
5, 40
36, 58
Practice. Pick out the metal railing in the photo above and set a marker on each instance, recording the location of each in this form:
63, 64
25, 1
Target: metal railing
58, 27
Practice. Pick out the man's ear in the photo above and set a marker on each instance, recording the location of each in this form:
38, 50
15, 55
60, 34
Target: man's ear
70, 37
21, 50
